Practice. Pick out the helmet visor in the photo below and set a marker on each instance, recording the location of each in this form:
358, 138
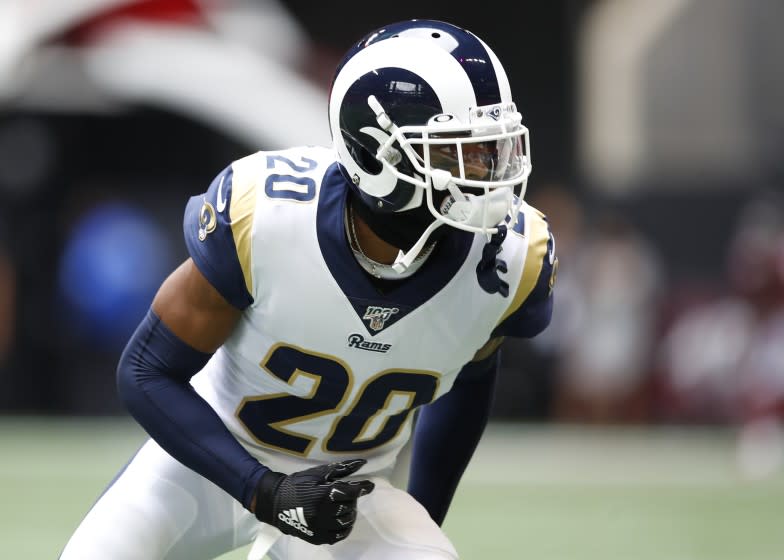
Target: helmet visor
478, 160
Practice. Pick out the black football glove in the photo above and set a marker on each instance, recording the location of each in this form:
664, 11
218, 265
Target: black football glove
313, 504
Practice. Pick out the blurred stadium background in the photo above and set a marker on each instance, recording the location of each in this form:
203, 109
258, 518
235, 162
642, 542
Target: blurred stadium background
645, 423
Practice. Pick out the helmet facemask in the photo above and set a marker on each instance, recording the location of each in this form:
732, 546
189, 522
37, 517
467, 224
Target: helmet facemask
471, 176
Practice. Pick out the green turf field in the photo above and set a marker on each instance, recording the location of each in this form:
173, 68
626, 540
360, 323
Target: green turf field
531, 493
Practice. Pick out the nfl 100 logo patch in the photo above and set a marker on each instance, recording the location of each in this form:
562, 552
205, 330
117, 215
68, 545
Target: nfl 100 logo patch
378, 316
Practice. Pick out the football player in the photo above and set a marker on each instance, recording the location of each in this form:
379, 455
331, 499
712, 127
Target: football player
330, 293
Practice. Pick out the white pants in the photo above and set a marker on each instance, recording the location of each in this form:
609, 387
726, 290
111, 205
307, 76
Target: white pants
157, 509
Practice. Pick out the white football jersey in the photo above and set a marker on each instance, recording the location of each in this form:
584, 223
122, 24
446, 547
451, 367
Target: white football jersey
323, 366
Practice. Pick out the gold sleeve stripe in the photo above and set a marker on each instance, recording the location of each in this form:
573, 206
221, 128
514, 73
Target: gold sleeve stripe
241, 211
487, 349
538, 235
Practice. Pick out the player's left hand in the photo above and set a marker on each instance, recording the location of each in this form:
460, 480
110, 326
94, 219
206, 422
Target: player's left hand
314, 504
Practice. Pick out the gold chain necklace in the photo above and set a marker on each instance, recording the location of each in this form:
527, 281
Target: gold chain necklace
375, 268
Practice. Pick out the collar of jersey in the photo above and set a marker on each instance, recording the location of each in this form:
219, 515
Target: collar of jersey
440, 268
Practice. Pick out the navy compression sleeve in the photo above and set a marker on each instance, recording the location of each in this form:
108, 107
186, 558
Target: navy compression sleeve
153, 382
446, 434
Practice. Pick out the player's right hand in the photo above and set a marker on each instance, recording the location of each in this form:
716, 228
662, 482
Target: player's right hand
314, 504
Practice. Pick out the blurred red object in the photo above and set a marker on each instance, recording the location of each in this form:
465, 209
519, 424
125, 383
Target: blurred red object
170, 11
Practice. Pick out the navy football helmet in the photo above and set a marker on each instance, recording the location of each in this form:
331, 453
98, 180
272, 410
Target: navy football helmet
421, 116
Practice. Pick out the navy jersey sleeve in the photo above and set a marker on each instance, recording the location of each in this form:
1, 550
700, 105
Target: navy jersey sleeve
218, 226
447, 432
532, 305
153, 381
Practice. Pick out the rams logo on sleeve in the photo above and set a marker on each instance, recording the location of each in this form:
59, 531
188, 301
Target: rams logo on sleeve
207, 220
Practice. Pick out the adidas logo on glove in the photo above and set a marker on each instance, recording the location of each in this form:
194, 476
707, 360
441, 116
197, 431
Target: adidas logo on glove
296, 518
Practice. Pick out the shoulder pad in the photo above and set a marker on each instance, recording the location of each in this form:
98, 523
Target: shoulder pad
530, 310
218, 226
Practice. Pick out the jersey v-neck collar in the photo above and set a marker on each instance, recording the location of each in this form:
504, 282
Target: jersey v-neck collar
356, 284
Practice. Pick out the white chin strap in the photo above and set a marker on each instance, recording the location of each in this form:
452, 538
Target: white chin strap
404, 260
473, 213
